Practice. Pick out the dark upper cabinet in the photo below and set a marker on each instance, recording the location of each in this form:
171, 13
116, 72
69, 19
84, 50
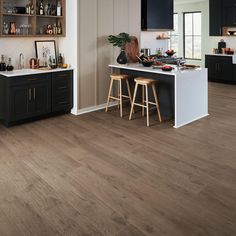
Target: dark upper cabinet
215, 15
222, 13
157, 14
229, 13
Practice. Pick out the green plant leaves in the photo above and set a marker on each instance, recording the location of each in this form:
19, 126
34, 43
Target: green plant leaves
119, 40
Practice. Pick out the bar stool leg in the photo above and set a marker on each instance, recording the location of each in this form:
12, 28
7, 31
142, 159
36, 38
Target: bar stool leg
132, 105
109, 95
147, 105
143, 93
121, 106
118, 94
156, 101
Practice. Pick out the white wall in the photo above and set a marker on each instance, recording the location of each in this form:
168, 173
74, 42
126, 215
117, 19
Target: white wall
148, 40
12, 47
69, 45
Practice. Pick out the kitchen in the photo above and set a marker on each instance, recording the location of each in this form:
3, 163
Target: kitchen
93, 173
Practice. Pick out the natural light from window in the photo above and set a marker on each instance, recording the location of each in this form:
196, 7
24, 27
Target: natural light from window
192, 35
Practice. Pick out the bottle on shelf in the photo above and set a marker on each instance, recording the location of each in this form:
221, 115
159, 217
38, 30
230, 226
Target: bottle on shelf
27, 9
46, 9
32, 9
59, 28
41, 10
59, 8
55, 28
2, 64
9, 65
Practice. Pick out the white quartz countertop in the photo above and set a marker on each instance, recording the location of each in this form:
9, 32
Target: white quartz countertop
31, 72
140, 67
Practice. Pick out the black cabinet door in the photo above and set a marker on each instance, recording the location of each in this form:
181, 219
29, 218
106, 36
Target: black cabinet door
40, 101
229, 13
215, 17
18, 103
157, 14
220, 68
225, 69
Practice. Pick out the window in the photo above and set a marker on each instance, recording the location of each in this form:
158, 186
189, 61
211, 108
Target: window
192, 35
174, 35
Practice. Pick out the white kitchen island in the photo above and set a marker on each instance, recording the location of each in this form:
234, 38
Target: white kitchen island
190, 89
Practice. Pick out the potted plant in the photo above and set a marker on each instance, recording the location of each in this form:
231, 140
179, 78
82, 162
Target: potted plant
120, 41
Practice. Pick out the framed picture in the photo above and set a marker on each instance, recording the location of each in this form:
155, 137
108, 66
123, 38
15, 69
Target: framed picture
46, 52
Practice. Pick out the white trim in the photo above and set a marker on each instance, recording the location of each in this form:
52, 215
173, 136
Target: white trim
188, 122
91, 109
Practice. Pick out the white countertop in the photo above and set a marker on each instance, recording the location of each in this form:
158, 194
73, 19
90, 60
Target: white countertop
140, 67
221, 55
31, 72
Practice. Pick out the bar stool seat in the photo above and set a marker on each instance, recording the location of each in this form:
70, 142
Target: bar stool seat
145, 82
119, 78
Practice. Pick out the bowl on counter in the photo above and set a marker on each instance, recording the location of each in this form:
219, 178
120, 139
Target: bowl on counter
167, 68
147, 63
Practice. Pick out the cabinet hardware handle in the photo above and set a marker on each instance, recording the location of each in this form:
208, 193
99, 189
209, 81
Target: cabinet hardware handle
62, 75
65, 87
216, 67
33, 79
34, 94
61, 103
30, 96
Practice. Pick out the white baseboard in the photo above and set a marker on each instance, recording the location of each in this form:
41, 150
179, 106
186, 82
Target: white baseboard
94, 108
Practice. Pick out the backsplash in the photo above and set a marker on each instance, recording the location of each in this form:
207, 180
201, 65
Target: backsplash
10, 47
148, 40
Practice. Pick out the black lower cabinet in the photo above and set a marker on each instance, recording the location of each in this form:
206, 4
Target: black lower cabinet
33, 96
220, 69
62, 86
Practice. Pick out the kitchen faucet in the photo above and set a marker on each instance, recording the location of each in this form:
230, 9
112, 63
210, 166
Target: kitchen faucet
21, 61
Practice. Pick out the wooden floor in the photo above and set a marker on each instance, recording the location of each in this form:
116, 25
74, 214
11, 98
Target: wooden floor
98, 174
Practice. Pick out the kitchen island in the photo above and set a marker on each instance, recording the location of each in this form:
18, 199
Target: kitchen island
183, 94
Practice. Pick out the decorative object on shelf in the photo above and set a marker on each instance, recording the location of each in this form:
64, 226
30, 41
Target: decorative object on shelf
12, 28
58, 8
44, 51
162, 36
120, 41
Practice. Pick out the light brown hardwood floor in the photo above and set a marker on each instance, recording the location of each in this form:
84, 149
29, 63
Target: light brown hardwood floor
98, 174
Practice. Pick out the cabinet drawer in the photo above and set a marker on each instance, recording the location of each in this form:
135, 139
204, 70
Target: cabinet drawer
60, 85
62, 101
18, 80
62, 75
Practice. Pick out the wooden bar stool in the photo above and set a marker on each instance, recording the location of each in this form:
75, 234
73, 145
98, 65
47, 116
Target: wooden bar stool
119, 78
145, 82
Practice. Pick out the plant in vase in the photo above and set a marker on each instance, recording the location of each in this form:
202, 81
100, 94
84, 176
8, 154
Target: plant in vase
120, 41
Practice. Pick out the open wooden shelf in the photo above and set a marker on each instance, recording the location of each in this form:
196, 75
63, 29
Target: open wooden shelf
37, 22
